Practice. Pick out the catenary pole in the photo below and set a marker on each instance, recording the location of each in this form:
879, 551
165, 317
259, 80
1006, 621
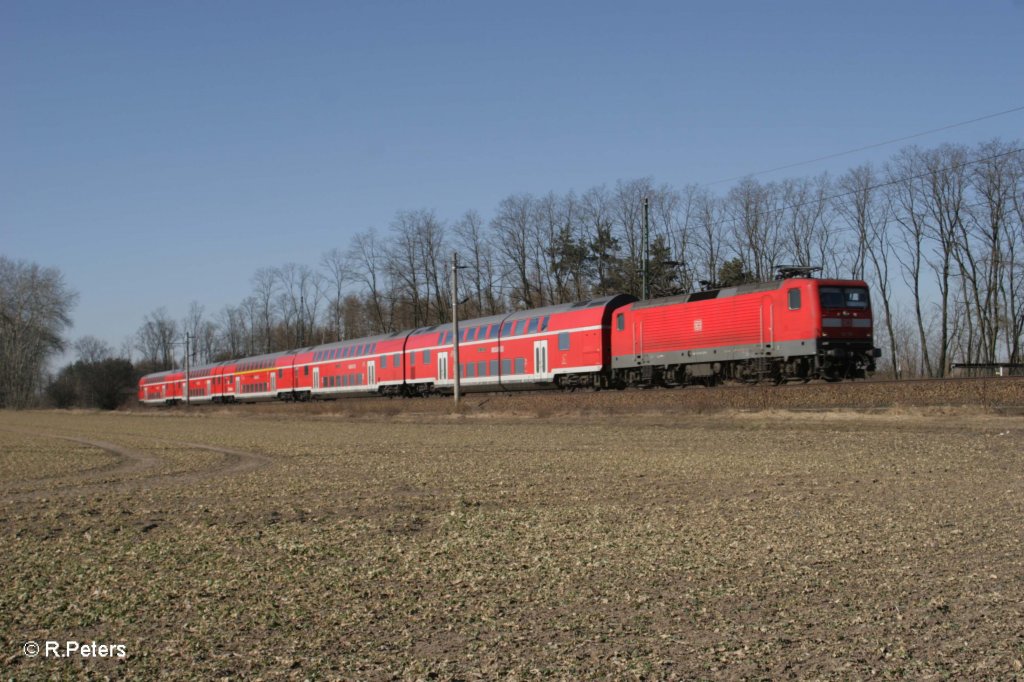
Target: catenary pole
188, 391
455, 325
647, 249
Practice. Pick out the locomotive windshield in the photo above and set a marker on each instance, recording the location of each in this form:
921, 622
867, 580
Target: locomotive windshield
844, 297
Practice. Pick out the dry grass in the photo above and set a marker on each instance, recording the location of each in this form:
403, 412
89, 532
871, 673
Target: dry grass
413, 545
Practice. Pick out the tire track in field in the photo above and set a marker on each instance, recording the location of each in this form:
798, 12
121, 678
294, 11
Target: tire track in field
236, 462
129, 462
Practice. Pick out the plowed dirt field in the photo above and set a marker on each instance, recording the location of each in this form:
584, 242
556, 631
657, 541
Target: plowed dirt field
614, 541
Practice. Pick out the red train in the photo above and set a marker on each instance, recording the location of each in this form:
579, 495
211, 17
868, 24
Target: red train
795, 328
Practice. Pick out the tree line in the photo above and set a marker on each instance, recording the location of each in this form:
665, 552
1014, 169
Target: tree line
936, 232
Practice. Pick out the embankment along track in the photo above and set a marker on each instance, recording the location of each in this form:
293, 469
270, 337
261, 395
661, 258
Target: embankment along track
1004, 395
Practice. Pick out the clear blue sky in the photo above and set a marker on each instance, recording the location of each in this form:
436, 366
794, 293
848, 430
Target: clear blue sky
160, 152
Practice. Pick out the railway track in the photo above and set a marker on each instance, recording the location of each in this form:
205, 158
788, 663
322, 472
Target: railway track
1005, 394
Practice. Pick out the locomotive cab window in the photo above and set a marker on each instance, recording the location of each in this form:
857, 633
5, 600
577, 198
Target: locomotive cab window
844, 297
856, 297
620, 322
794, 299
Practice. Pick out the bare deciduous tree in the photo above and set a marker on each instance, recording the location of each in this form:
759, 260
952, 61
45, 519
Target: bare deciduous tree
904, 173
512, 226
335, 267
35, 307
265, 289
90, 349
156, 338
756, 214
368, 265
472, 243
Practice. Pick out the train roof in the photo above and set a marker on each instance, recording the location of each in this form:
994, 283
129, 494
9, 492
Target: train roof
156, 376
725, 292
265, 357
352, 342
599, 302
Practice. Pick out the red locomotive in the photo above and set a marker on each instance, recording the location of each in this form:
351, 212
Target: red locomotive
794, 328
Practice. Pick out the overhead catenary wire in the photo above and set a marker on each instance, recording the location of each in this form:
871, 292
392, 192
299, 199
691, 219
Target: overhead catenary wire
869, 146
